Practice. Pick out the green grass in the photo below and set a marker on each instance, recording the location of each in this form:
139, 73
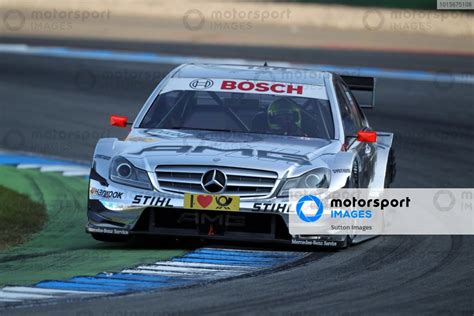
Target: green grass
62, 249
20, 217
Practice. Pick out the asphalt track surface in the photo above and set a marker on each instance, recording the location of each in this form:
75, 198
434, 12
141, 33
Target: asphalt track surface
60, 107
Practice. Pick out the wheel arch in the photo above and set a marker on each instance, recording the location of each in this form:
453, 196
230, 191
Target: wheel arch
385, 165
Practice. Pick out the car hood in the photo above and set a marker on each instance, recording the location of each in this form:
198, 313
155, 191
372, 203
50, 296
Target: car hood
286, 155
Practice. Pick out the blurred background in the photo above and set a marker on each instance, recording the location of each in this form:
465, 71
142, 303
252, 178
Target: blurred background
57, 102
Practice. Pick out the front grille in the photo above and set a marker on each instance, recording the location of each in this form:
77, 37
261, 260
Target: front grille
240, 181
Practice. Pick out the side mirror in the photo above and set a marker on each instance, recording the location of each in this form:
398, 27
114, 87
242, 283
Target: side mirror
117, 120
366, 137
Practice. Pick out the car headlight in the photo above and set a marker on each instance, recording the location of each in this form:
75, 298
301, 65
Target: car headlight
122, 171
317, 178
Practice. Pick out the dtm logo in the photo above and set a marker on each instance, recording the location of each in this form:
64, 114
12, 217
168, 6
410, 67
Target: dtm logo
200, 84
309, 202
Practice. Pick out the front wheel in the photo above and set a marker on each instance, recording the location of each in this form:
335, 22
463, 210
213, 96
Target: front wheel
391, 169
353, 181
347, 242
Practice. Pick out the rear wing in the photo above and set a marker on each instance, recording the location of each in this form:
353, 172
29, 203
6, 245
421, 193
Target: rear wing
363, 89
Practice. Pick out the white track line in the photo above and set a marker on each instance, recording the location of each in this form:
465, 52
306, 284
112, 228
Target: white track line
77, 173
37, 290
187, 269
155, 58
205, 265
60, 168
29, 166
164, 273
66, 170
23, 296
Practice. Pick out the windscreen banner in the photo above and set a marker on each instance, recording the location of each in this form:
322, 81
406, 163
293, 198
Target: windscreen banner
381, 212
247, 86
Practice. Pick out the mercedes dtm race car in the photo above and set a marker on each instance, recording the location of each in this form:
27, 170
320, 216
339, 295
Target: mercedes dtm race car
215, 150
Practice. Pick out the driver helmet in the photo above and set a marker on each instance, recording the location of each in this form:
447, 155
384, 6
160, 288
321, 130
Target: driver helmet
284, 114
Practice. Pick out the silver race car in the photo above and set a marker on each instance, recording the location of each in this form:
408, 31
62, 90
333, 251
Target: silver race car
215, 150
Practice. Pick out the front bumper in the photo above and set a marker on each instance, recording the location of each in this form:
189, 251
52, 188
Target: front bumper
121, 210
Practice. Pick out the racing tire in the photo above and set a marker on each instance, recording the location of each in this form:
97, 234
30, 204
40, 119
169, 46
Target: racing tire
109, 237
353, 180
347, 242
352, 183
391, 169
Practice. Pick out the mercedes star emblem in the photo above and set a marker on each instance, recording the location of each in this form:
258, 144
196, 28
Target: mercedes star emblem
214, 181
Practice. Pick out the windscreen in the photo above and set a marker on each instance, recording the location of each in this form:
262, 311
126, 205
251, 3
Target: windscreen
275, 109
